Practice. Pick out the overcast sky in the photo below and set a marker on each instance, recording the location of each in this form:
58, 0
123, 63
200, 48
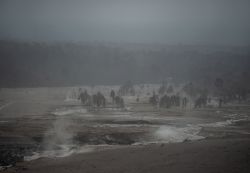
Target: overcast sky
165, 21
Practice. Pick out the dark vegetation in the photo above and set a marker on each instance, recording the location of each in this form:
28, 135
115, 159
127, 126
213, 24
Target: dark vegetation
32, 64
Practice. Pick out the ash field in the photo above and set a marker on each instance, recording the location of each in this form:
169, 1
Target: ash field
52, 123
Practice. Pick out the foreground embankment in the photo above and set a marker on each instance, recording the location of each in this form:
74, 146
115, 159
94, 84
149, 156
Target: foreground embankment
207, 156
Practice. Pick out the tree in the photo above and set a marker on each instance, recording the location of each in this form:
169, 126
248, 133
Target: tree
170, 89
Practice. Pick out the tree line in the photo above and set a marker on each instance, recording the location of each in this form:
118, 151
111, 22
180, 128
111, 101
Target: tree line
32, 64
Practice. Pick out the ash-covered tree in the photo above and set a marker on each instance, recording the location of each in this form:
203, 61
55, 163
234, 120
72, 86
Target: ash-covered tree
127, 89
170, 89
220, 92
163, 88
190, 90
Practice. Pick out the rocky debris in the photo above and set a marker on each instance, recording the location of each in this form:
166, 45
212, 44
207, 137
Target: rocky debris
11, 154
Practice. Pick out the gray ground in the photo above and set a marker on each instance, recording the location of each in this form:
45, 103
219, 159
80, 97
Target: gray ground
115, 140
208, 156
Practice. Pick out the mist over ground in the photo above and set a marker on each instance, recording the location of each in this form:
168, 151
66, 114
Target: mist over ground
100, 86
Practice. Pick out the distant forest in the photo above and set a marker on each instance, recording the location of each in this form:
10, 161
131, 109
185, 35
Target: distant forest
32, 64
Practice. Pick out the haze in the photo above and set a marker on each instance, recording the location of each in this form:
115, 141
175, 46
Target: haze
223, 22
135, 86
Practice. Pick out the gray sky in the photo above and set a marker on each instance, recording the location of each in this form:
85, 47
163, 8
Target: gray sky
165, 21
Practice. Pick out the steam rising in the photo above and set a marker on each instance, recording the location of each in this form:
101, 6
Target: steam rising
173, 134
59, 135
59, 140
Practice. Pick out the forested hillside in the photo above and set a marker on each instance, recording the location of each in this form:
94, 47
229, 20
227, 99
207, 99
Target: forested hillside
28, 64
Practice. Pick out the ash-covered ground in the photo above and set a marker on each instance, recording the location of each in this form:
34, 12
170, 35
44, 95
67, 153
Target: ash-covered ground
52, 122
